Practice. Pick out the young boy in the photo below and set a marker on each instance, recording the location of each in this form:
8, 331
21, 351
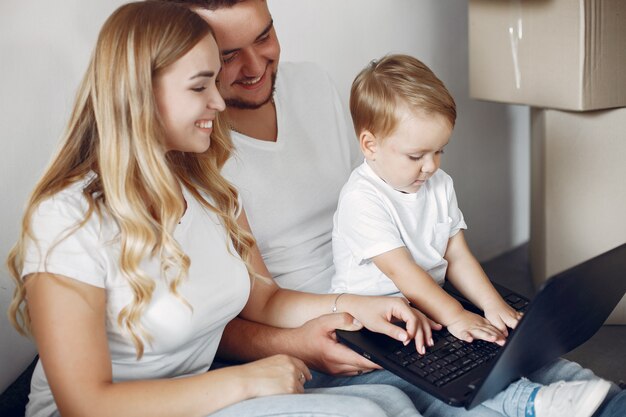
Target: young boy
398, 229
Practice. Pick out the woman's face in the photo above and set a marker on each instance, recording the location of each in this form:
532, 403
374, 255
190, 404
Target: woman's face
187, 98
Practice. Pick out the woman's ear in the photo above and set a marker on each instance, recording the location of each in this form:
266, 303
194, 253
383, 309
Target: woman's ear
368, 144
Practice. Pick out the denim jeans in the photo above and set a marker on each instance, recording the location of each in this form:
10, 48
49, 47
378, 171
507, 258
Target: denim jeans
510, 402
347, 401
616, 407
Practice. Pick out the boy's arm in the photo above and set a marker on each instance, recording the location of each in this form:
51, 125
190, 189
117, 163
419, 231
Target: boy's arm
426, 295
417, 286
466, 274
314, 342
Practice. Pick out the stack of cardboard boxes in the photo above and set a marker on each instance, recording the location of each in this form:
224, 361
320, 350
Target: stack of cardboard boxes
567, 60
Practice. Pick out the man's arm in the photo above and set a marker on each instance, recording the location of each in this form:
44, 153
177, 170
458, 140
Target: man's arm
314, 342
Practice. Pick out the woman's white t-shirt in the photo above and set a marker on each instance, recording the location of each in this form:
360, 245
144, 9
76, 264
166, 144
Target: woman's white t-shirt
184, 340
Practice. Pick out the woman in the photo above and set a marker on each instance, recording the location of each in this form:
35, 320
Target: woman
135, 252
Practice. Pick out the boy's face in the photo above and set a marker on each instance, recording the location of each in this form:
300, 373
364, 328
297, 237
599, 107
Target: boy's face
411, 154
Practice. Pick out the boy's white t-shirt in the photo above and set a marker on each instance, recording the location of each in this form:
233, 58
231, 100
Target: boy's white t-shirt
373, 218
290, 187
184, 339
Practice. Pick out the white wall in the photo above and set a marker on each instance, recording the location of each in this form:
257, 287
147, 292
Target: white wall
44, 48
488, 155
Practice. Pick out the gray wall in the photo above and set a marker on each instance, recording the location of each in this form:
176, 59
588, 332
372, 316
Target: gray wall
44, 48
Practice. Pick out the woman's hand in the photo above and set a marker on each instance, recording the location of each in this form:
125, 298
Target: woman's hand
469, 326
278, 374
379, 314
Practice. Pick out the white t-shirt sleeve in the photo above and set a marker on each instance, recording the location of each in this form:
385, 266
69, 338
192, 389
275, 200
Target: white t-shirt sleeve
60, 246
456, 216
366, 226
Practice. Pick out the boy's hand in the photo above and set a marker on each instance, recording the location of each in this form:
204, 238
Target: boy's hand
501, 315
469, 326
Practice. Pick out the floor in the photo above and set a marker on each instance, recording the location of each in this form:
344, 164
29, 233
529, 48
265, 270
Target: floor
604, 353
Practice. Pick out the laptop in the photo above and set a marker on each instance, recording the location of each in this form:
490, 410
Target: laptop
569, 308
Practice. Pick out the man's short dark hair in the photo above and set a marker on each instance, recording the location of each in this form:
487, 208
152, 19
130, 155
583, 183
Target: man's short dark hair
206, 4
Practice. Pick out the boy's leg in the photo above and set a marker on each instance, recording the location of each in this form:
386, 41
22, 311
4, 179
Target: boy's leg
425, 403
564, 370
616, 407
511, 401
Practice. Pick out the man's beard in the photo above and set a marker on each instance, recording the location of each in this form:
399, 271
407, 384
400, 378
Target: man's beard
238, 103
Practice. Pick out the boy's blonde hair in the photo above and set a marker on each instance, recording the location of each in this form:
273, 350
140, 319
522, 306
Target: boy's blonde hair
116, 133
392, 82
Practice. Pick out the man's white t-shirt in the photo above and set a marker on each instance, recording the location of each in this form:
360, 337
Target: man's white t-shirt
184, 339
290, 187
373, 218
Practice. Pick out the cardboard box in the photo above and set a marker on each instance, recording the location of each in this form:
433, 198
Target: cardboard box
578, 190
561, 54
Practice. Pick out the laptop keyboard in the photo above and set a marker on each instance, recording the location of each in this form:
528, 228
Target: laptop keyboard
447, 360
450, 357
518, 303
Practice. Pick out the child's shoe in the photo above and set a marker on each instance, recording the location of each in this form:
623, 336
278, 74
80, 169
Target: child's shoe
570, 399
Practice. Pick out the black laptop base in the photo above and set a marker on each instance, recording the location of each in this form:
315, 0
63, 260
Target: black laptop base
447, 381
567, 311
447, 368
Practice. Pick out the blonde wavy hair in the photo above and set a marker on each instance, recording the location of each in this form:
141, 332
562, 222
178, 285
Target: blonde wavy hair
391, 82
116, 133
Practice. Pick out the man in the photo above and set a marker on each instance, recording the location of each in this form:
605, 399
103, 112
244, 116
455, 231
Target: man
294, 151
289, 168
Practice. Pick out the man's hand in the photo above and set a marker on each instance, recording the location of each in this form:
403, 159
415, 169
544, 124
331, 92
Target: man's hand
321, 351
314, 343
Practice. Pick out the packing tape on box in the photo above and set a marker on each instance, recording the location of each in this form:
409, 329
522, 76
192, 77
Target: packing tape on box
516, 34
